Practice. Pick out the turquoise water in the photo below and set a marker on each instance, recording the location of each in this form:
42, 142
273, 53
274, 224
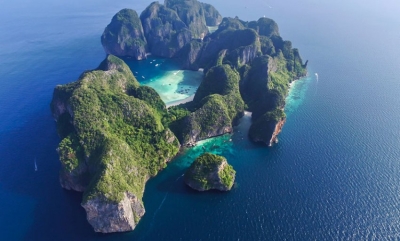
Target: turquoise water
334, 175
173, 85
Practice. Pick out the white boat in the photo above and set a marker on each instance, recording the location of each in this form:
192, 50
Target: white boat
35, 165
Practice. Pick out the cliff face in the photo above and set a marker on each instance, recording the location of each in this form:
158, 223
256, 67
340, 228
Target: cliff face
208, 172
265, 27
267, 128
165, 32
240, 47
191, 12
191, 54
124, 36
76, 179
211, 14
265, 85
109, 217
277, 130
113, 141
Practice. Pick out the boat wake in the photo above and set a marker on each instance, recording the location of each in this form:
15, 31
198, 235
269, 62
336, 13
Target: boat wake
162, 202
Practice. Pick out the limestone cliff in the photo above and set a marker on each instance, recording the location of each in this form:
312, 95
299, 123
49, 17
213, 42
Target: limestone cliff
165, 32
267, 128
211, 119
208, 172
113, 141
191, 12
241, 46
277, 130
265, 27
218, 104
124, 36
211, 14
264, 86
110, 217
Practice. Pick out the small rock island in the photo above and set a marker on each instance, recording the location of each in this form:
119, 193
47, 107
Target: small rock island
116, 134
210, 171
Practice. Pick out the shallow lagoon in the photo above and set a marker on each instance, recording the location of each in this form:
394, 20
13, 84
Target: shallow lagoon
174, 85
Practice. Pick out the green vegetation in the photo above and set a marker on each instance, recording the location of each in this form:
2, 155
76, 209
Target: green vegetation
216, 105
227, 175
175, 114
230, 24
70, 152
120, 136
265, 27
266, 63
218, 80
210, 171
117, 134
149, 95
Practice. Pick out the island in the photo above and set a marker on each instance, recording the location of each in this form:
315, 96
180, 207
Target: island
116, 134
210, 171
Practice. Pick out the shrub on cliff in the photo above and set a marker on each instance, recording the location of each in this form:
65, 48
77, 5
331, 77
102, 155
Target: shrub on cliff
210, 171
118, 137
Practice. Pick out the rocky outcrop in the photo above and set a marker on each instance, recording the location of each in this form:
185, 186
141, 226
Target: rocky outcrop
76, 179
212, 119
110, 217
191, 12
265, 27
211, 14
209, 172
219, 103
191, 54
267, 128
277, 130
113, 138
240, 46
124, 36
165, 32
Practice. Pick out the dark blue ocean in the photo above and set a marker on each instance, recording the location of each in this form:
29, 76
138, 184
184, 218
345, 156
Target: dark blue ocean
334, 175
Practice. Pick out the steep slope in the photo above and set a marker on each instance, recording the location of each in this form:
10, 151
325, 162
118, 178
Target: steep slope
191, 12
209, 172
124, 36
112, 143
218, 105
165, 32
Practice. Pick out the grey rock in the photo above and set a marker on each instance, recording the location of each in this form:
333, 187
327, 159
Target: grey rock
124, 36
165, 32
108, 217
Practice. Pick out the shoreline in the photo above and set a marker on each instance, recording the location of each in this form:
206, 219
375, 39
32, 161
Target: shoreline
178, 102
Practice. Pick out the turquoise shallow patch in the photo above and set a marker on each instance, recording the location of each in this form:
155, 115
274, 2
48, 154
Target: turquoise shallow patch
173, 85
297, 93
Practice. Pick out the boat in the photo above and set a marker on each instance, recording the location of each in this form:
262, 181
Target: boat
35, 166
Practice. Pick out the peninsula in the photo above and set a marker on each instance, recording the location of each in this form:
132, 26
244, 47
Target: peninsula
116, 134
